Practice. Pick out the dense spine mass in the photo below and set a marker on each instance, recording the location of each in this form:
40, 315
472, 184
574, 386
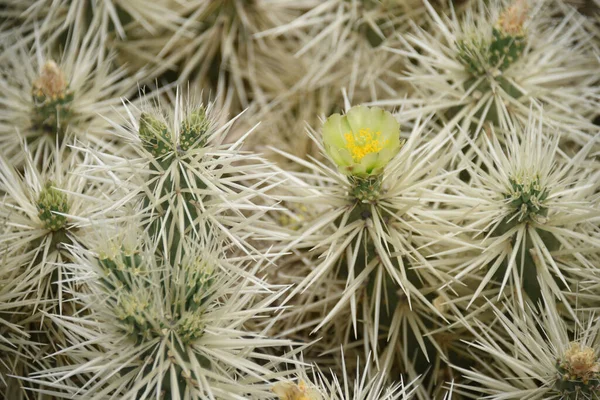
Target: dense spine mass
299, 200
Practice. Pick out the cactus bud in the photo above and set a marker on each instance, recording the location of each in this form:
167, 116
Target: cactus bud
527, 197
193, 130
190, 326
132, 311
511, 21
50, 202
579, 370
154, 135
508, 36
51, 99
51, 82
504, 48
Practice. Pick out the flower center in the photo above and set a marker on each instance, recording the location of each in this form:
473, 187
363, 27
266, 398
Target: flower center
362, 143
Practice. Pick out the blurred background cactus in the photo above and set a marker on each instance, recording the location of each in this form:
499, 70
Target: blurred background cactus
299, 199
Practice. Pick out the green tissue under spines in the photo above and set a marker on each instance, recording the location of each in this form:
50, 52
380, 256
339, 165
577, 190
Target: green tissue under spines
120, 270
180, 186
155, 136
133, 310
527, 197
366, 190
473, 55
505, 49
52, 113
198, 278
50, 202
572, 389
140, 313
193, 130
190, 326
479, 57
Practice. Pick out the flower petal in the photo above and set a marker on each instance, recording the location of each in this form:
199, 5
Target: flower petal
390, 130
358, 118
335, 155
334, 129
370, 161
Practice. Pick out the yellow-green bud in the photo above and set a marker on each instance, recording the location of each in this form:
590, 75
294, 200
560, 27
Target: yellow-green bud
50, 202
527, 196
363, 141
154, 135
193, 130
191, 326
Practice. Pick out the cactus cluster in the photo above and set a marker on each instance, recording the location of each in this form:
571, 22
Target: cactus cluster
299, 200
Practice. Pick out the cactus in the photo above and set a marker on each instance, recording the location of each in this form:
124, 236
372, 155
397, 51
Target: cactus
493, 64
299, 200
180, 326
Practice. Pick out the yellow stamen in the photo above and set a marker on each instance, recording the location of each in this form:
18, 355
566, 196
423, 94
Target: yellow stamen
363, 143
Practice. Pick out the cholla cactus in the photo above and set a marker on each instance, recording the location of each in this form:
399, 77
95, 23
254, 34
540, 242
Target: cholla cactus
341, 38
43, 212
104, 17
337, 52
216, 45
186, 180
316, 386
372, 238
543, 358
18, 350
49, 96
147, 251
530, 202
491, 66
158, 329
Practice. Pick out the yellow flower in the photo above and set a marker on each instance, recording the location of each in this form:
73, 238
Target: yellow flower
363, 141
